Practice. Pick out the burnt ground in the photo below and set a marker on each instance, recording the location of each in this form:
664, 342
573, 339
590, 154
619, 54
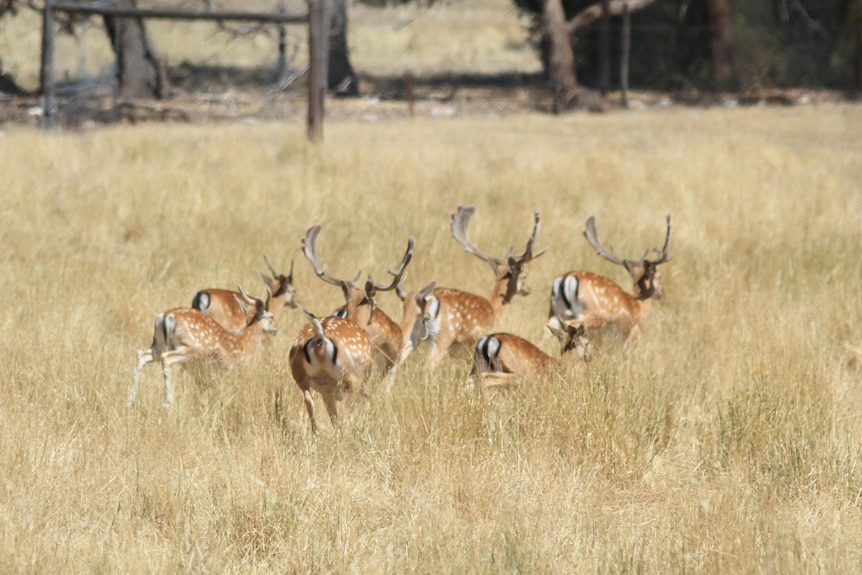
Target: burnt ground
202, 94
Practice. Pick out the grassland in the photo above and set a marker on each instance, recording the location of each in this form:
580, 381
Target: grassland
727, 441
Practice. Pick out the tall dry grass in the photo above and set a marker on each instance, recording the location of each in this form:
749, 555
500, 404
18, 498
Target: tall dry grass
728, 441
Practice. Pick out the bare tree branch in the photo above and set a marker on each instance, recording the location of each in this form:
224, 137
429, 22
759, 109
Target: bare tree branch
589, 15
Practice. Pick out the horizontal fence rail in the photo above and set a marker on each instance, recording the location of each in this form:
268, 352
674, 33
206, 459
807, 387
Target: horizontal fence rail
315, 20
180, 14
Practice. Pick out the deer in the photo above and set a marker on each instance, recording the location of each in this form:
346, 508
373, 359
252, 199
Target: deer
584, 294
332, 356
183, 335
360, 306
503, 359
225, 306
450, 317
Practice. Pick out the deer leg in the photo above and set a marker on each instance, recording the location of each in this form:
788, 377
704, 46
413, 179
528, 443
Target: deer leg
631, 337
405, 353
169, 358
144, 357
498, 379
438, 352
309, 404
331, 408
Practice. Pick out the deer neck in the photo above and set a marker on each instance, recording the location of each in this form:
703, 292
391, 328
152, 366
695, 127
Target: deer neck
643, 308
358, 311
504, 291
276, 306
251, 337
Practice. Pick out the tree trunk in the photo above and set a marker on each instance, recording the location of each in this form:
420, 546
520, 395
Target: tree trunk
341, 79
561, 57
725, 68
855, 16
140, 72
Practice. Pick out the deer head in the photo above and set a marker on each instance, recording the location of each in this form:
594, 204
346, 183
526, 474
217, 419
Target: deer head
644, 271
510, 268
353, 294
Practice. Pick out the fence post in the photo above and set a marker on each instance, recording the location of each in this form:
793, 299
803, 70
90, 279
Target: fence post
625, 55
605, 49
46, 75
317, 64
282, 48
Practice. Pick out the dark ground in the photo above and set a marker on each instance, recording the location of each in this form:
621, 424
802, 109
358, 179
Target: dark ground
206, 94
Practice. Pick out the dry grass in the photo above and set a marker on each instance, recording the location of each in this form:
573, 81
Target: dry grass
728, 442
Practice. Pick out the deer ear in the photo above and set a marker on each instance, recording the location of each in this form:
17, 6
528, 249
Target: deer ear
553, 329
266, 279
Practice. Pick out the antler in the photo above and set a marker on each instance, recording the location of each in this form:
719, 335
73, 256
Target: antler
398, 274
528, 254
460, 221
253, 300
274, 273
372, 288
245, 296
662, 253
593, 238
310, 251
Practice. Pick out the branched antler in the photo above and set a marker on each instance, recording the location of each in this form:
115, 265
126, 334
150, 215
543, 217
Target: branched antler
461, 221
593, 238
309, 249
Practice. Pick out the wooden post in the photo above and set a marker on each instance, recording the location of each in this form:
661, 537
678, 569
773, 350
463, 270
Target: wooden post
46, 75
605, 49
317, 60
857, 57
281, 74
625, 54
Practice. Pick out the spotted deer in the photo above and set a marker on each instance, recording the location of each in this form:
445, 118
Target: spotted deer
583, 294
225, 307
360, 306
332, 356
184, 335
450, 317
504, 359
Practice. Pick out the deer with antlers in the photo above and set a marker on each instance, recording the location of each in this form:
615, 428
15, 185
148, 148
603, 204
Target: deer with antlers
505, 359
184, 335
332, 356
583, 294
226, 308
360, 306
450, 317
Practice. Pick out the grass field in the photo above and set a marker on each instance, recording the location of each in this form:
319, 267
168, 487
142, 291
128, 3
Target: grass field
728, 441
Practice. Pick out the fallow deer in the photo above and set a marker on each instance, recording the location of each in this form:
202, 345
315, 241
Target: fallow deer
360, 306
224, 305
504, 358
583, 294
450, 317
184, 335
332, 356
